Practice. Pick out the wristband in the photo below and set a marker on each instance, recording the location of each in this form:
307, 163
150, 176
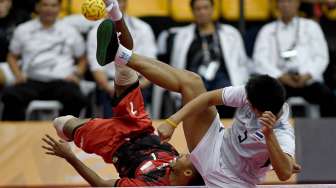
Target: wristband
123, 55
171, 123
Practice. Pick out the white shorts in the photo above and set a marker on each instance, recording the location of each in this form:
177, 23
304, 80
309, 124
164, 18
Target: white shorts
211, 164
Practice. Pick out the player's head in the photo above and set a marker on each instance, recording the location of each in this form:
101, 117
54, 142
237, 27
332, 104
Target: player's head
184, 171
202, 11
265, 94
48, 10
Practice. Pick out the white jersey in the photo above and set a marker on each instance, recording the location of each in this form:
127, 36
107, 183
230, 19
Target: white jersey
239, 156
47, 53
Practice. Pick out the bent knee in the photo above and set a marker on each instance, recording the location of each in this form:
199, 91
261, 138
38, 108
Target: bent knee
193, 84
63, 125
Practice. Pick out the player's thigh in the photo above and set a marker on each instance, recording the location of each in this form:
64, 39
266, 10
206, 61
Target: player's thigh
196, 125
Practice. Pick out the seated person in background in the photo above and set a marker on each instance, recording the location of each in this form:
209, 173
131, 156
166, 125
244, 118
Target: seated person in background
214, 51
144, 43
47, 49
294, 50
9, 19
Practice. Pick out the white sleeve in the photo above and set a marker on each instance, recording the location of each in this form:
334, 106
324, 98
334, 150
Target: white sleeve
16, 44
234, 96
286, 139
78, 45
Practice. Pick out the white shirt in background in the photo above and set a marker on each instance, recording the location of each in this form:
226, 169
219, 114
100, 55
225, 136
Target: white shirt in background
237, 157
143, 41
47, 54
275, 38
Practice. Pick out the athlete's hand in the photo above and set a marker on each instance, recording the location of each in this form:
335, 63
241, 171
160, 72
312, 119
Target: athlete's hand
57, 148
267, 121
296, 168
165, 132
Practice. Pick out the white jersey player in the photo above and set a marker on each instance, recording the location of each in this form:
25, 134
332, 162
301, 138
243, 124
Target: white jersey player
241, 155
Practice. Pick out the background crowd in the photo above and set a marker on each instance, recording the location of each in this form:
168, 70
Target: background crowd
47, 52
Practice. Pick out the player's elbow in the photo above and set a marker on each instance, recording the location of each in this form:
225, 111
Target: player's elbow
284, 175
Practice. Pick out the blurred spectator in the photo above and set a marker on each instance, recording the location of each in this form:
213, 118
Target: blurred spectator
213, 50
47, 48
9, 19
144, 44
294, 50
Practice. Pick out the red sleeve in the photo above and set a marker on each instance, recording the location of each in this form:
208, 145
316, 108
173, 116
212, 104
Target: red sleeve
136, 182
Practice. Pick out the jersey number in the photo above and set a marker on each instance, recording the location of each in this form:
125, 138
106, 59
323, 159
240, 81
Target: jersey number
242, 139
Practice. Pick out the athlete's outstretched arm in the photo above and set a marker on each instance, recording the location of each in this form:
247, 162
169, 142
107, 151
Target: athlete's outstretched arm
61, 149
194, 107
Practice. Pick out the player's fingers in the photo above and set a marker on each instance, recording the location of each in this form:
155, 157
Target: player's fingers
48, 148
165, 140
48, 142
296, 168
269, 119
269, 115
51, 153
52, 139
265, 121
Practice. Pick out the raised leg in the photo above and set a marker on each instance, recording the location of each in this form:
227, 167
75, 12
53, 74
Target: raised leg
187, 83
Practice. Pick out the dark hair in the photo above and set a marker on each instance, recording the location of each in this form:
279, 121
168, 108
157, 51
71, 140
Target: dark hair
197, 179
265, 93
192, 3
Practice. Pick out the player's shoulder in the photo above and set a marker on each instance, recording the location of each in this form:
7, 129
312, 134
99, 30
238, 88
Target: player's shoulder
309, 24
228, 29
269, 27
28, 26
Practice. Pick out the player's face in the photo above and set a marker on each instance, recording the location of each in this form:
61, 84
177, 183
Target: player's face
48, 10
181, 167
288, 8
5, 6
202, 10
182, 162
